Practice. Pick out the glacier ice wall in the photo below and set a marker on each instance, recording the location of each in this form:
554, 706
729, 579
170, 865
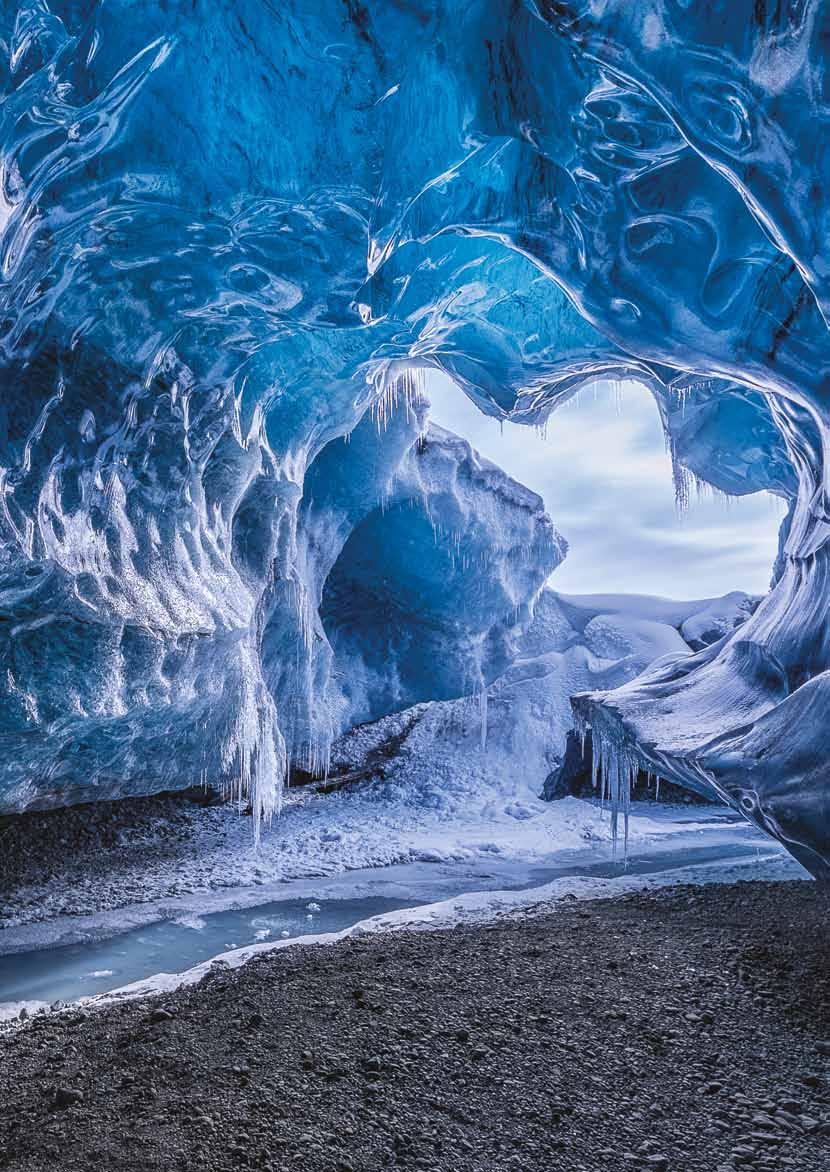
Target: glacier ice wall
231, 230
417, 562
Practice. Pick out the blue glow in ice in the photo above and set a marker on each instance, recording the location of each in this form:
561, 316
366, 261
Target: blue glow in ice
231, 233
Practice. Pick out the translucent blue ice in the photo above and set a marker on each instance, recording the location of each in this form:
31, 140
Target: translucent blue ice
233, 233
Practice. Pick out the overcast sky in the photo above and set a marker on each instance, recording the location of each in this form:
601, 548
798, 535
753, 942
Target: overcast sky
605, 477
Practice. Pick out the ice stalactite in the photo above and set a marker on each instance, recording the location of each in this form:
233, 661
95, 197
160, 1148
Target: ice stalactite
482, 710
253, 750
615, 764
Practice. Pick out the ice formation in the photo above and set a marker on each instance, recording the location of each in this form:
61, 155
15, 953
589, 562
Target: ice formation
231, 232
453, 755
420, 561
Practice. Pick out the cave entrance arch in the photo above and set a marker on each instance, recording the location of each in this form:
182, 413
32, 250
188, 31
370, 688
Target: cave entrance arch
605, 472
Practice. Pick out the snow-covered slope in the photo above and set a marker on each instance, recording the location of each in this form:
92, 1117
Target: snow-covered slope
497, 747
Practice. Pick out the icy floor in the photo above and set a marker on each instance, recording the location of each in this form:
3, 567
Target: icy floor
72, 956
211, 851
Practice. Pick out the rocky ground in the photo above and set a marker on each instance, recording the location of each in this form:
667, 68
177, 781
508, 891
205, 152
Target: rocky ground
34, 845
685, 1029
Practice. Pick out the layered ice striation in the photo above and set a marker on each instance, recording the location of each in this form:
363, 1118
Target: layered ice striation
233, 234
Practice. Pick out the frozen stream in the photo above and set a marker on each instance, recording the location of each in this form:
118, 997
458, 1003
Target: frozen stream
38, 965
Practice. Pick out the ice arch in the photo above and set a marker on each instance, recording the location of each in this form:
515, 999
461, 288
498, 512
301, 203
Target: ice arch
226, 232
605, 471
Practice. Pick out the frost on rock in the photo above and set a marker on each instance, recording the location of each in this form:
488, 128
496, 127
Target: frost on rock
231, 232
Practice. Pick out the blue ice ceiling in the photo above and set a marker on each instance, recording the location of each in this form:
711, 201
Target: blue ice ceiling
233, 234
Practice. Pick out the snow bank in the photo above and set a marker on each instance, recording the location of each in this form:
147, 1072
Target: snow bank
495, 750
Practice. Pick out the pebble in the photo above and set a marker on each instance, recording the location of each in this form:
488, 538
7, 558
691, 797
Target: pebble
742, 1152
68, 1097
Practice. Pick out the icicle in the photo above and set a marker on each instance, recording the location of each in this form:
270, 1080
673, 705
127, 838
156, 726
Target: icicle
392, 382
615, 764
254, 751
482, 702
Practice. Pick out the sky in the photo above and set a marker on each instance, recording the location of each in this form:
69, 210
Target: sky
605, 476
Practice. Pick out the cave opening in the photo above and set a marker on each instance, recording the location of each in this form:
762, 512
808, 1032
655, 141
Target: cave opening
604, 470
653, 569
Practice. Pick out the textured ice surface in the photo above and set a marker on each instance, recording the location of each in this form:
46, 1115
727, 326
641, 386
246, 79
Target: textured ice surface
419, 562
414, 566
460, 754
229, 231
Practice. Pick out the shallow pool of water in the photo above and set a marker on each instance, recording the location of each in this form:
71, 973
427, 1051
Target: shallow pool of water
71, 971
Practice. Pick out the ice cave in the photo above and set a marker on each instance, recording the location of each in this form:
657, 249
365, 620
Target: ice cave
229, 531
414, 516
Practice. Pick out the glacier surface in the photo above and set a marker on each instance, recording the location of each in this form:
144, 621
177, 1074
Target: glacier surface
233, 235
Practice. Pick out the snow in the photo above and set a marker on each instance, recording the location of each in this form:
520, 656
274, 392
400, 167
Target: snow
465, 756
733, 608
467, 909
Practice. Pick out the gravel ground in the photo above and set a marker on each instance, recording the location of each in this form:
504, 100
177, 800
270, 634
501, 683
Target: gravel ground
38, 846
684, 1029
